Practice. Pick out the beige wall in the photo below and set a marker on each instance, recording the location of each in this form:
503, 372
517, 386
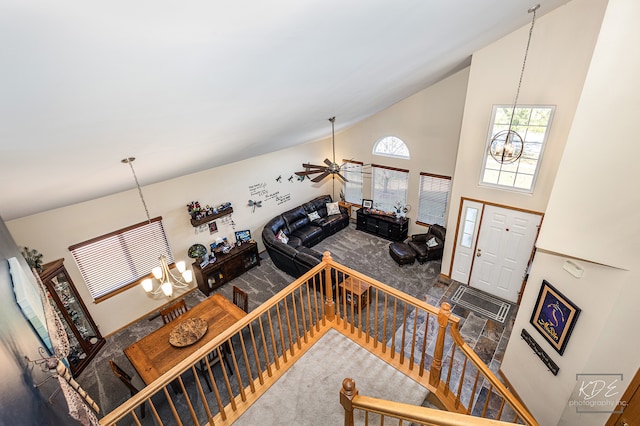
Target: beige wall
557, 63
593, 191
428, 122
52, 232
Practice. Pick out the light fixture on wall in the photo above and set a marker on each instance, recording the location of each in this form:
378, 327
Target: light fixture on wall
507, 145
165, 279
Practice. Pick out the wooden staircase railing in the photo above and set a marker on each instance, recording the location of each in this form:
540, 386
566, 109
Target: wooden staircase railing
418, 339
351, 400
424, 342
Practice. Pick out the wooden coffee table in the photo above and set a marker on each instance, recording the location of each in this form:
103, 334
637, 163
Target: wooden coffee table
356, 290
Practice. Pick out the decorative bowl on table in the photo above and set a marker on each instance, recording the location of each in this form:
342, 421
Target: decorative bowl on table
187, 332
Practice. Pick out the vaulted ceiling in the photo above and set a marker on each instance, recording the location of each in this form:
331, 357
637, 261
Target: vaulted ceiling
187, 86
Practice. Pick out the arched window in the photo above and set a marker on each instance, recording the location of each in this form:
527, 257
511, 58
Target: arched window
391, 146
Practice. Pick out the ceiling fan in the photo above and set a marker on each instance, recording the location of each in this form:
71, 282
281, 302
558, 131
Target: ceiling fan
331, 168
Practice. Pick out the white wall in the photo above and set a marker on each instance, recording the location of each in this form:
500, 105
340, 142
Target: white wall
559, 56
592, 214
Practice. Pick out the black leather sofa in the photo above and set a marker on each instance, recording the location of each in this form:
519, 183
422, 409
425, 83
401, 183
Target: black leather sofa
296, 256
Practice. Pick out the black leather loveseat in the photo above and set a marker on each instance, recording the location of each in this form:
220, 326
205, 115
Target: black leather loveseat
296, 256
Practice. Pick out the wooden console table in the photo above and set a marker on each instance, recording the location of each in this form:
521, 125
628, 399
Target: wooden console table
389, 227
226, 267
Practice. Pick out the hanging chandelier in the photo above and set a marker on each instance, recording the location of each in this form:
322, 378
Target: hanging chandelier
165, 280
507, 145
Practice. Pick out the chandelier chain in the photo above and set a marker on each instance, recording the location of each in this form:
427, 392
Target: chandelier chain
129, 161
533, 10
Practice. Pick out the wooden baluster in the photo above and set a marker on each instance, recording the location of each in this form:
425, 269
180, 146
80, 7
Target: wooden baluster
436, 365
347, 393
424, 345
330, 309
394, 327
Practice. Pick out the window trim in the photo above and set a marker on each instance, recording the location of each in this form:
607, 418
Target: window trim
386, 154
134, 282
395, 169
543, 146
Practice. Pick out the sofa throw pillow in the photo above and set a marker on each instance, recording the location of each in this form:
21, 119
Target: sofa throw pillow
282, 237
332, 208
313, 216
432, 242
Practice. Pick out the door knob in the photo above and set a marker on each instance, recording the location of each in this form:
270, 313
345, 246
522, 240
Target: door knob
478, 254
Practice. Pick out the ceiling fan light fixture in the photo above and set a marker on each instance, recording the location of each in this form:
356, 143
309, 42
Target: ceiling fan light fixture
330, 169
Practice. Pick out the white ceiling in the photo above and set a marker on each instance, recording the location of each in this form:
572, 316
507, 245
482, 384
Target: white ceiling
187, 86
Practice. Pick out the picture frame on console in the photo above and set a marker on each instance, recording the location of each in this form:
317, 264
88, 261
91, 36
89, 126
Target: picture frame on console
554, 316
367, 204
243, 236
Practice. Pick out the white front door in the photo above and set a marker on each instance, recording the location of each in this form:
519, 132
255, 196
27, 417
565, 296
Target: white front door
504, 246
466, 244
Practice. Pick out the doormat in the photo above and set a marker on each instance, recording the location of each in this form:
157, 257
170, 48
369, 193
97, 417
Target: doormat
481, 303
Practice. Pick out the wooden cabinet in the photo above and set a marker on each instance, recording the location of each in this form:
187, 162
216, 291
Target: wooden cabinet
388, 227
84, 337
226, 267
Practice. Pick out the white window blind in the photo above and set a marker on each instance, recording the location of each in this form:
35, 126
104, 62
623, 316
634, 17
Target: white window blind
352, 171
433, 198
389, 187
111, 262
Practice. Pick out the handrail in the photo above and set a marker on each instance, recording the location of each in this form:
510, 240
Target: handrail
266, 342
351, 400
447, 324
166, 379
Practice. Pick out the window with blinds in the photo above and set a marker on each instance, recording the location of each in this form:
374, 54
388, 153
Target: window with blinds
352, 171
433, 199
116, 261
389, 187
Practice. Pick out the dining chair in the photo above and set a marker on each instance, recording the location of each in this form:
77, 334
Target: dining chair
213, 359
126, 379
241, 299
173, 311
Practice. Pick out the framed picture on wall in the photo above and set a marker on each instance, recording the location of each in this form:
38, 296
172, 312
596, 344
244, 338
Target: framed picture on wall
554, 316
213, 228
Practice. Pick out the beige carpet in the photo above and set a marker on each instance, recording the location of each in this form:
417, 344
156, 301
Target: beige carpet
308, 393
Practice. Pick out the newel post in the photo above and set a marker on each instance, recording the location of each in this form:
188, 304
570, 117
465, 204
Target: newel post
436, 365
329, 306
347, 393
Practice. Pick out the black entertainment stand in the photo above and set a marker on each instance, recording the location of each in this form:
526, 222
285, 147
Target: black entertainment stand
389, 227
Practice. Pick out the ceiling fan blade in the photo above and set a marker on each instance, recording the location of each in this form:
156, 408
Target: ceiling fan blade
320, 177
341, 177
309, 172
312, 166
328, 162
